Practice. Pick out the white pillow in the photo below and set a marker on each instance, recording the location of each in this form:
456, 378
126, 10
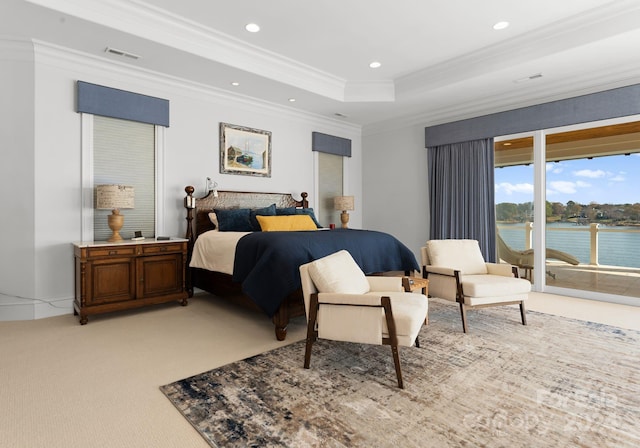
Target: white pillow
214, 220
338, 273
462, 255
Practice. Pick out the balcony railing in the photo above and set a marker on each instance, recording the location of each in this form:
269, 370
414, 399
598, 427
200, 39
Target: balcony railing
595, 231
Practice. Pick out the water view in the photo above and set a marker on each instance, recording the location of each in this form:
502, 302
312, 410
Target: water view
618, 245
579, 193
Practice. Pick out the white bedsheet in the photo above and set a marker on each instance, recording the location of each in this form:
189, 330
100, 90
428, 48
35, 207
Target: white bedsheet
215, 251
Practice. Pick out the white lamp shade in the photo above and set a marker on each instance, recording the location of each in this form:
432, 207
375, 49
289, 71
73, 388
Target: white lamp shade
343, 203
114, 197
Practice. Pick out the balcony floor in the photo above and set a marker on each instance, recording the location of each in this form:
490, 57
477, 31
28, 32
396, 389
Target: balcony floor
602, 279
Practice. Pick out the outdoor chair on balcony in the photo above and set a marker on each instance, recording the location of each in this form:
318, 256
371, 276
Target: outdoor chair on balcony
524, 258
457, 271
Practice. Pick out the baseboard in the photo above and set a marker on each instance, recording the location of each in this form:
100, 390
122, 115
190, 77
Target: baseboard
17, 308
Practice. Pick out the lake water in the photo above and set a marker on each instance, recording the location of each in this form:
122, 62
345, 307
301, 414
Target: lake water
615, 248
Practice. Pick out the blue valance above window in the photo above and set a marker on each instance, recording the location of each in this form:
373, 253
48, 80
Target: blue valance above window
115, 103
330, 144
614, 103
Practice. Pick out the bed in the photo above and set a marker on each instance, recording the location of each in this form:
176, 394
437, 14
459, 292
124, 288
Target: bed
260, 269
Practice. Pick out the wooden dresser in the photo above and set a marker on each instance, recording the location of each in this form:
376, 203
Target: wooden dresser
129, 274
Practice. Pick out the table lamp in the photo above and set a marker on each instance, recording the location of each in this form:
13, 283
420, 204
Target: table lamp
114, 197
343, 203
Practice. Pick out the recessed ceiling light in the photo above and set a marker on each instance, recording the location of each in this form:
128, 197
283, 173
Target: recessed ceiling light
252, 27
235, 84
375, 64
500, 25
292, 100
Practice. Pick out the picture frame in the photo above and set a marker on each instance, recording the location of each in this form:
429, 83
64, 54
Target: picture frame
245, 151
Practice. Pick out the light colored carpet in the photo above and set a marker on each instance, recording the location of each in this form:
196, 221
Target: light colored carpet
554, 383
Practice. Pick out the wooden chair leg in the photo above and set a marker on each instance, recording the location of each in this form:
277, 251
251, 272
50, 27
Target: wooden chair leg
523, 313
396, 361
311, 329
463, 314
393, 338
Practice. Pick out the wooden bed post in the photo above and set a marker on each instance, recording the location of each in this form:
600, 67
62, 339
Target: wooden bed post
190, 205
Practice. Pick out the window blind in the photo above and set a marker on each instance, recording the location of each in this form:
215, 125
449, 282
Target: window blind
124, 153
330, 180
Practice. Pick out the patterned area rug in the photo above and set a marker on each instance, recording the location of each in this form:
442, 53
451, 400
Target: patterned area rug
554, 383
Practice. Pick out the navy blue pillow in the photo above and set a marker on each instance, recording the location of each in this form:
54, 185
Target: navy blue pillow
265, 211
299, 211
234, 220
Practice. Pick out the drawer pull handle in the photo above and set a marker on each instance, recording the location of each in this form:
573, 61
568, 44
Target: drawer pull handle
163, 249
113, 252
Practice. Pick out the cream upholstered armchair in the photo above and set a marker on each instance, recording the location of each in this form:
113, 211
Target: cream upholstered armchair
457, 271
342, 304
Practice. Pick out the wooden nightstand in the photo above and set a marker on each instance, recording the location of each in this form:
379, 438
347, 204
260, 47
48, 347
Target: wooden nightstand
129, 274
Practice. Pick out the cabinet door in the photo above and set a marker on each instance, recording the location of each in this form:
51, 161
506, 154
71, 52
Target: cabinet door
111, 280
160, 275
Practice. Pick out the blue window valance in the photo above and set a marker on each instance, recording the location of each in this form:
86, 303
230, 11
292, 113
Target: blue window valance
115, 103
614, 103
330, 144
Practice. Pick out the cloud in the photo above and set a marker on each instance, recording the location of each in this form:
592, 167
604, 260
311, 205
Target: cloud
553, 168
563, 186
509, 188
619, 178
593, 174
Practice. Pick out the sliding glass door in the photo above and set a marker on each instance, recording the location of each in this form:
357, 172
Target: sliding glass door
514, 198
586, 191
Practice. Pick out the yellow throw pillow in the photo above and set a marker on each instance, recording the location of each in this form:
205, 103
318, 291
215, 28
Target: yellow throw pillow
286, 223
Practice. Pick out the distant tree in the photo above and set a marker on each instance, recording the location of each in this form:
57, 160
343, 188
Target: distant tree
506, 211
525, 211
572, 210
632, 212
593, 211
557, 209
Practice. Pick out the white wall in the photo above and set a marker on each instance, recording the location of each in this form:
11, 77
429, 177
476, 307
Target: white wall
17, 176
45, 137
395, 185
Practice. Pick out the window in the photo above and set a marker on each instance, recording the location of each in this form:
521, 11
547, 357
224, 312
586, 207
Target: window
330, 182
125, 152
588, 199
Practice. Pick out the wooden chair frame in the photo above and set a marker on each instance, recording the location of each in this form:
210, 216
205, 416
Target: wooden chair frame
464, 307
392, 340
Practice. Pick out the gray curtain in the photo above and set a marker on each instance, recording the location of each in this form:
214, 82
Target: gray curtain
461, 178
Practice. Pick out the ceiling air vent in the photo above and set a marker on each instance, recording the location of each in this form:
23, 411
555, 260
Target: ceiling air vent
528, 78
122, 53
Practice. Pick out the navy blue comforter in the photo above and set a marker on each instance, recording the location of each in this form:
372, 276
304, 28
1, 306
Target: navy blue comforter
266, 263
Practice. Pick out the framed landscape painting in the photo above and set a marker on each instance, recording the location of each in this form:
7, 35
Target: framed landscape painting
245, 150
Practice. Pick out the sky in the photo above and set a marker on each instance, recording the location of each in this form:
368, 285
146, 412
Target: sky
604, 180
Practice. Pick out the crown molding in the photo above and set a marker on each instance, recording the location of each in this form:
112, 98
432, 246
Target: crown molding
612, 19
588, 83
145, 21
16, 49
67, 59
